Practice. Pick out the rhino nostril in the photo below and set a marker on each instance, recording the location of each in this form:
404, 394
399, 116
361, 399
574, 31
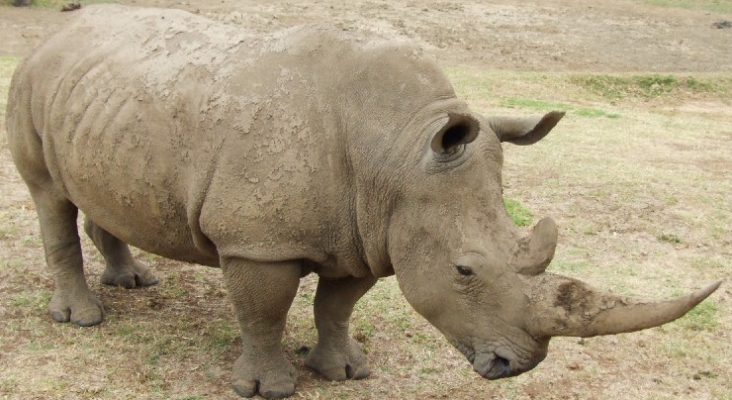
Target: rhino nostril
502, 365
349, 371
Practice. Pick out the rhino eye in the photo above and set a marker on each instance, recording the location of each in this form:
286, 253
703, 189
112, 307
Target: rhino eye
464, 271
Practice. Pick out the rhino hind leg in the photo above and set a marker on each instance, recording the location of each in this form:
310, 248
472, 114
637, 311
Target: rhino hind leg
262, 294
337, 356
72, 300
122, 269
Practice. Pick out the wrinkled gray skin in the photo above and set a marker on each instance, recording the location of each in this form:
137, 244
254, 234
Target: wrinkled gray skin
272, 157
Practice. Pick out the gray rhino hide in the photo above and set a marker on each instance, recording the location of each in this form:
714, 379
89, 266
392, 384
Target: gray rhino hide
182, 133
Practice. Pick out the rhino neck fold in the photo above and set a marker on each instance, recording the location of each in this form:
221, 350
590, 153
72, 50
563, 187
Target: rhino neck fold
371, 226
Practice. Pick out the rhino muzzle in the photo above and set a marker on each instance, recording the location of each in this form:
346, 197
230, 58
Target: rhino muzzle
501, 362
493, 366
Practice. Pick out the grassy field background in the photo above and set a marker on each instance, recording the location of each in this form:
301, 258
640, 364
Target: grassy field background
638, 177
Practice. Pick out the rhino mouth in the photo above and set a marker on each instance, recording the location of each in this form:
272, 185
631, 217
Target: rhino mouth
494, 366
498, 364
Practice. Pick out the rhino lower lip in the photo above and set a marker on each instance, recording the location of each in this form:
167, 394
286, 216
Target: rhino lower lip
488, 365
495, 368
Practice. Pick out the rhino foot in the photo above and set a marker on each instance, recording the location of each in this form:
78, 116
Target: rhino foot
83, 310
272, 380
128, 276
339, 364
122, 269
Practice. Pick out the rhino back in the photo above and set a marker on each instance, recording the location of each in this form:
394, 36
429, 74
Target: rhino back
139, 109
195, 140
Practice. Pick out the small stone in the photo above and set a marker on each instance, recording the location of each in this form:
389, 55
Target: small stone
74, 5
573, 366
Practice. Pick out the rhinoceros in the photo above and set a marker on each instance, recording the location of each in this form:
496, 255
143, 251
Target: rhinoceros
275, 156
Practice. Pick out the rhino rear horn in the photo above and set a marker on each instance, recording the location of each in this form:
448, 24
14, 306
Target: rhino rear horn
524, 131
533, 253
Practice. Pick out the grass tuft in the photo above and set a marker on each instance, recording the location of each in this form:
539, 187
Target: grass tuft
648, 87
668, 238
518, 213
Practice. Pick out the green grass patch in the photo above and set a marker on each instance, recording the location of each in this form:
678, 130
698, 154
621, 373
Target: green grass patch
31, 302
222, 333
702, 317
535, 104
668, 238
569, 266
720, 6
595, 113
540, 105
7, 66
652, 86
518, 213
363, 331
125, 330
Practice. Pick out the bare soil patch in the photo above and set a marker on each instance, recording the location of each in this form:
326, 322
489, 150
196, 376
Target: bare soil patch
640, 188
554, 35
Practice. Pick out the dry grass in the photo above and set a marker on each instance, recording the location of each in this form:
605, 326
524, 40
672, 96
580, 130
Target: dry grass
643, 205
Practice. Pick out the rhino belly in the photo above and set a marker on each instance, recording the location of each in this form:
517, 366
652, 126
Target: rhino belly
131, 181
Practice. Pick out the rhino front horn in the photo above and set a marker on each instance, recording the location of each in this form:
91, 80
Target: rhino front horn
567, 307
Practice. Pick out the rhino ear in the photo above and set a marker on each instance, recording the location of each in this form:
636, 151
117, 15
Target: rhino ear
460, 129
524, 131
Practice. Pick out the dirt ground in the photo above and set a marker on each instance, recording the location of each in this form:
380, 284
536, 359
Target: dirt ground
623, 208
551, 35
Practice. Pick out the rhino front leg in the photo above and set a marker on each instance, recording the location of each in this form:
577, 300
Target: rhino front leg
262, 294
122, 269
337, 355
72, 300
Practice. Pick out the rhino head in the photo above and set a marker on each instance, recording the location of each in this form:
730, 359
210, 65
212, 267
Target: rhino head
430, 210
462, 264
